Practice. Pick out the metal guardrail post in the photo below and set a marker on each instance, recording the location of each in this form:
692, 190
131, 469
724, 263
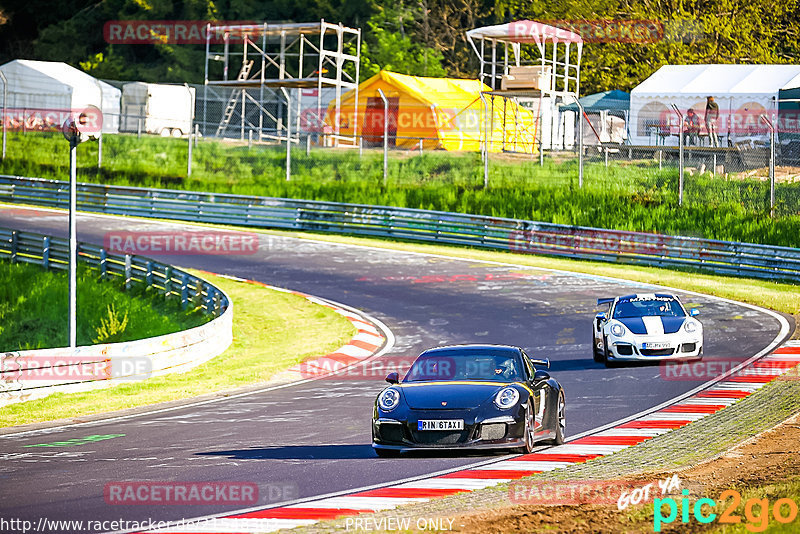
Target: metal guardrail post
184, 291
385, 135
127, 271
680, 155
103, 262
167, 281
14, 245
46, 252
771, 164
148, 276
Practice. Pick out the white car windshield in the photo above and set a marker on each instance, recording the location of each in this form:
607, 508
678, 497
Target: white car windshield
645, 308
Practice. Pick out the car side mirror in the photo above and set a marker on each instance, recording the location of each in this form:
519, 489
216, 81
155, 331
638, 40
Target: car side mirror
602, 316
393, 377
540, 375
694, 312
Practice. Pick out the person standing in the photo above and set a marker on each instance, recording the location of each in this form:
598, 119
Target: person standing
691, 128
712, 114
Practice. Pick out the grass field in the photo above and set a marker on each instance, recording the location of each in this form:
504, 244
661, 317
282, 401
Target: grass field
34, 305
630, 196
272, 331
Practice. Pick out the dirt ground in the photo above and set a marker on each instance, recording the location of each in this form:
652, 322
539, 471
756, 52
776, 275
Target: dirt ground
768, 458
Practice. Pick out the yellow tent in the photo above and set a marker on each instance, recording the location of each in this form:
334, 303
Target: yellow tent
441, 112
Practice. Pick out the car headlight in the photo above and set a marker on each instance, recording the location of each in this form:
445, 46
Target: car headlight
617, 330
690, 326
389, 399
506, 398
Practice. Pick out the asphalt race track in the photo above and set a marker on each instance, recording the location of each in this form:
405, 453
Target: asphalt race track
314, 438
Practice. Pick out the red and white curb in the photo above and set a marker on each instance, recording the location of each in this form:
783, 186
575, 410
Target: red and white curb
736, 385
367, 341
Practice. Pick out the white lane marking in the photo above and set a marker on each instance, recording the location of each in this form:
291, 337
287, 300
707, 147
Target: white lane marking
667, 416
525, 465
649, 432
737, 386
360, 503
713, 401
449, 483
586, 449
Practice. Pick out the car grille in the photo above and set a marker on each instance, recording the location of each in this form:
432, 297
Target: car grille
390, 432
657, 352
434, 437
493, 431
625, 350
688, 347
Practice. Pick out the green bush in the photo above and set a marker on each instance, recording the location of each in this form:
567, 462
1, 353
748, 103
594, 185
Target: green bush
34, 309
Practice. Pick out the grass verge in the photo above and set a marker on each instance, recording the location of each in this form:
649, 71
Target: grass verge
34, 309
272, 331
631, 195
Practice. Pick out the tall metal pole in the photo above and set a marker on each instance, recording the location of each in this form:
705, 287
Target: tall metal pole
385, 135
680, 155
5, 97
771, 164
580, 140
191, 128
288, 135
73, 243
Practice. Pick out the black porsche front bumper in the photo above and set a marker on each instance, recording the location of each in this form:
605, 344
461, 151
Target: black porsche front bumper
493, 433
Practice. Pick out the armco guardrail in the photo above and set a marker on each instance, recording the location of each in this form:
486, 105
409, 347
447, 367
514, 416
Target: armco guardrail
30, 374
760, 261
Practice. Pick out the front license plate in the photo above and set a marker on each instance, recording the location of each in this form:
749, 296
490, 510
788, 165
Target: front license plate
440, 424
655, 346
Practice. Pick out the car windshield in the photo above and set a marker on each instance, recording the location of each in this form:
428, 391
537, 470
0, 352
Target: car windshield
659, 307
457, 365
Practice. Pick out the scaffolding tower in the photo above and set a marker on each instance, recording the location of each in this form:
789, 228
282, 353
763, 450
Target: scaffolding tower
536, 65
265, 66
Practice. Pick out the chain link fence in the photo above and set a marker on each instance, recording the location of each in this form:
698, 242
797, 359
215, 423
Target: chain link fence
254, 136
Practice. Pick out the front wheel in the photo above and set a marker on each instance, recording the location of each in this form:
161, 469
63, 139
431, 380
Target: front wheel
560, 422
530, 430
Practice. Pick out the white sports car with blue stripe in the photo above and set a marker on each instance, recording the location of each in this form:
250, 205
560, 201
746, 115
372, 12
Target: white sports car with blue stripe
646, 327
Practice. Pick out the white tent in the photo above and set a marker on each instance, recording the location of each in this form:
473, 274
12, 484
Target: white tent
743, 93
57, 87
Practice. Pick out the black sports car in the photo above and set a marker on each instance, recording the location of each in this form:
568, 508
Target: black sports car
476, 396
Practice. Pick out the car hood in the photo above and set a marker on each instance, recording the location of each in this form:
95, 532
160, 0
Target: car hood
456, 395
652, 325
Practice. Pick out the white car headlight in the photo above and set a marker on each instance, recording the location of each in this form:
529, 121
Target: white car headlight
690, 326
389, 399
617, 330
506, 398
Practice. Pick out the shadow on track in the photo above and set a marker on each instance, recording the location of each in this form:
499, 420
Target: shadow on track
334, 452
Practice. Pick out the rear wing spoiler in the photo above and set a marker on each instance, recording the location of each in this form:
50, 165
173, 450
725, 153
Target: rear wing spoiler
600, 302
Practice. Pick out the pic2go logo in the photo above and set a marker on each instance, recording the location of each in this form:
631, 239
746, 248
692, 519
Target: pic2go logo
756, 511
